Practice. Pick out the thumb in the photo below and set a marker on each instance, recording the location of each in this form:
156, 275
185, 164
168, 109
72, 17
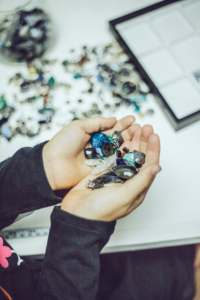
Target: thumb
96, 124
143, 180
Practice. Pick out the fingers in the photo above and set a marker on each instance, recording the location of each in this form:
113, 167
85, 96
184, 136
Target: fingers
142, 181
147, 130
128, 135
129, 132
135, 142
121, 125
96, 124
153, 149
197, 256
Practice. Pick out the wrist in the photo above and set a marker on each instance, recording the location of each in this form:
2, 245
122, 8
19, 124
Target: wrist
48, 166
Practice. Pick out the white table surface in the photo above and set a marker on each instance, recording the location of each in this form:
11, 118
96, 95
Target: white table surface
170, 214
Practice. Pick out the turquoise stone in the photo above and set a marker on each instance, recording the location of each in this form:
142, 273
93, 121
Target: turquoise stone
77, 75
51, 81
137, 108
2, 103
130, 157
111, 140
139, 98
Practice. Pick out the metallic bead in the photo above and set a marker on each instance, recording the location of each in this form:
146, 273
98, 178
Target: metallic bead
139, 157
118, 139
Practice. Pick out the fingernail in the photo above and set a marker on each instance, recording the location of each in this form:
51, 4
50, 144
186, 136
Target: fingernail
156, 170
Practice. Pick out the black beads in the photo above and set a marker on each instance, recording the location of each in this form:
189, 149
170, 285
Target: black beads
89, 153
124, 171
108, 149
125, 149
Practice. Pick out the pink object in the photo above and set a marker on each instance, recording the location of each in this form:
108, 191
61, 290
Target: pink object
4, 253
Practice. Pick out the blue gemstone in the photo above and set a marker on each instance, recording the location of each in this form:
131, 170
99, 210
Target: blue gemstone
139, 98
99, 151
97, 141
120, 161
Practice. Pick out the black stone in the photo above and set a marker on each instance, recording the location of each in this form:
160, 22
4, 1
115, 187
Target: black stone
118, 154
138, 166
89, 153
108, 149
125, 149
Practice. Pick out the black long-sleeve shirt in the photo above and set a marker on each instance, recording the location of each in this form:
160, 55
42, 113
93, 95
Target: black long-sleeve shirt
70, 269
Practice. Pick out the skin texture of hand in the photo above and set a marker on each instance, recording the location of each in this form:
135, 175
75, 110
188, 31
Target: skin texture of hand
63, 155
197, 272
114, 202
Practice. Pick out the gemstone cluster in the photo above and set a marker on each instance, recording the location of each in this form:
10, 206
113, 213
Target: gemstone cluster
105, 155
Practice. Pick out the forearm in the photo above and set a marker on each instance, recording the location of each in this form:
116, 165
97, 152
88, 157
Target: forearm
23, 185
71, 263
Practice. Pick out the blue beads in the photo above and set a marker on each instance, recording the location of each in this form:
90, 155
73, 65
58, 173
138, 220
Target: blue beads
97, 141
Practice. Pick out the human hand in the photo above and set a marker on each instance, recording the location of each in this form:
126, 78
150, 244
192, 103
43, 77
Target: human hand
63, 155
197, 272
114, 202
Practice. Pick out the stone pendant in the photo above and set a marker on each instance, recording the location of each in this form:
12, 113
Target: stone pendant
104, 180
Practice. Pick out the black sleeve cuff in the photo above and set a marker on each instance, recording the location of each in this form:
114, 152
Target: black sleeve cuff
41, 183
98, 227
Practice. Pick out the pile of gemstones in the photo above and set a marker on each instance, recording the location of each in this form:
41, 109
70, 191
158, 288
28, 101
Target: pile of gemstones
105, 155
49, 93
25, 35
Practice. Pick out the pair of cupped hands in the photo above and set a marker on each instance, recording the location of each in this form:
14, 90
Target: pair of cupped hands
63, 159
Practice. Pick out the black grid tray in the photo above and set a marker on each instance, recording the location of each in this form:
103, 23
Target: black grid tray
176, 123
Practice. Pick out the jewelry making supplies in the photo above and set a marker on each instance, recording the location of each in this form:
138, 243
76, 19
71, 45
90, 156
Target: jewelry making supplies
122, 165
